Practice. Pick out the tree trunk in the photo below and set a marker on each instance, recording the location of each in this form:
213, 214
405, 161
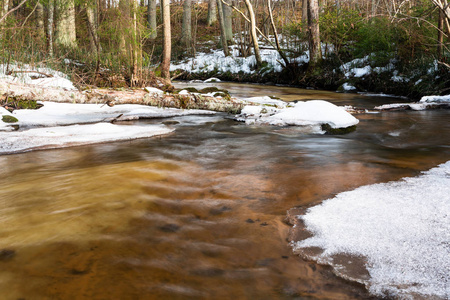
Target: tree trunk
167, 45
212, 12
50, 8
304, 12
135, 46
315, 53
227, 13
93, 28
65, 24
124, 7
5, 8
186, 27
223, 38
253, 33
275, 34
151, 18
40, 27
440, 47
444, 6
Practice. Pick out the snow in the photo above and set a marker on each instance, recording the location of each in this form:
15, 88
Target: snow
266, 100
351, 68
47, 127
212, 79
424, 103
360, 72
216, 61
348, 87
435, 99
402, 228
57, 114
154, 91
27, 74
65, 136
309, 113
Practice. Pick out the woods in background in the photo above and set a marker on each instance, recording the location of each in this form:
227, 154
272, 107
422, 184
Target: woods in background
128, 41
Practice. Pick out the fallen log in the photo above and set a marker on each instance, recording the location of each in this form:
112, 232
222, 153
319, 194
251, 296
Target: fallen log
119, 96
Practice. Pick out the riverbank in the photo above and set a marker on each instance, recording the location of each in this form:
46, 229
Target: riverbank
369, 74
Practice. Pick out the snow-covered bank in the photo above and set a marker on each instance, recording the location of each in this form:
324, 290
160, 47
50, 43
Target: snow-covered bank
75, 135
40, 76
216, 61
402, 229
47, 127
427, 102
58, 114
313, 114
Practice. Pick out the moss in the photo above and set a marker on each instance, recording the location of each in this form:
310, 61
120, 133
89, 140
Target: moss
19, 103
183, 101
223, 95
213, 89
336, 131
191, 89
9, 119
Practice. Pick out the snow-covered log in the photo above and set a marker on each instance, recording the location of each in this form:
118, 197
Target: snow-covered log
147, 96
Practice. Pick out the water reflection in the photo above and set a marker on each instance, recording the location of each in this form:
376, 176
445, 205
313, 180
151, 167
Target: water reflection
198, 214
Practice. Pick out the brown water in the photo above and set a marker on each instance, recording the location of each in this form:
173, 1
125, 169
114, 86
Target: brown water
198, 214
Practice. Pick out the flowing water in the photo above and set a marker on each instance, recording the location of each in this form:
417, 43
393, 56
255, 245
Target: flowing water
197, 214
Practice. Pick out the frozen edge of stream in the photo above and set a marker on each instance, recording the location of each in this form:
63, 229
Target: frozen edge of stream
399, 231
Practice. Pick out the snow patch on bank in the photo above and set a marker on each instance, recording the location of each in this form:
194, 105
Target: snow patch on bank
435, 99
66, 136
47, 127
426, 102
41, 76
402, 228
57, 114
216, 61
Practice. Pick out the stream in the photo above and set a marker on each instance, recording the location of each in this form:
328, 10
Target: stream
199, 213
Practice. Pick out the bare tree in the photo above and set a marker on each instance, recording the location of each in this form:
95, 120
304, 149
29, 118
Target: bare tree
305, 12
315, 52
40, 27
65, 24
253, 33
444, 6
223, 38
151, 18
186, 27
91, 12
212, 12
165, 63
227, 13
50, 10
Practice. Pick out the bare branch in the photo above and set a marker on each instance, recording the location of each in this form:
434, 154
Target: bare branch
12, 10
259, 31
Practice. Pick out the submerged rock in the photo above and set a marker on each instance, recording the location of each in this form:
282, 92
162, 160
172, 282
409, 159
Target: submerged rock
321, 116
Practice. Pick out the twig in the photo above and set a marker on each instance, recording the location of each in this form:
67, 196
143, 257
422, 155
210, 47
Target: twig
444, 64
178, 75
23, 24
12, 10
40, 73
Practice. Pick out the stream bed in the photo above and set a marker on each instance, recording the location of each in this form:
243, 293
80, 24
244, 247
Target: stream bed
199, 213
